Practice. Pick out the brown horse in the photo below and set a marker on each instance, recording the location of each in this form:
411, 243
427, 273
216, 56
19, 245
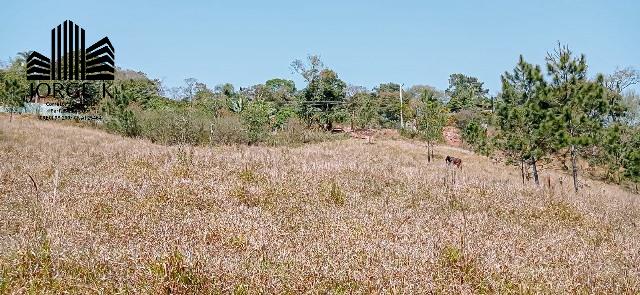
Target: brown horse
453, 160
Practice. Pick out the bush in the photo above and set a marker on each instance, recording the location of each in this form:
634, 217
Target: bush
477, 137
295, 133
256, 117
228, 130
175, 126
124, 122
410, 134
174, 123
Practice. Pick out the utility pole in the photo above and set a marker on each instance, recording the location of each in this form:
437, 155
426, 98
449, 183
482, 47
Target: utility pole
401, 117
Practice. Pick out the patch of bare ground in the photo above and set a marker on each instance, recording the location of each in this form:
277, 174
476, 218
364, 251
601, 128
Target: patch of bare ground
107, 214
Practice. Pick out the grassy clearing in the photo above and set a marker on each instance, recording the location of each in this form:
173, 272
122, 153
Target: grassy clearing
113, 214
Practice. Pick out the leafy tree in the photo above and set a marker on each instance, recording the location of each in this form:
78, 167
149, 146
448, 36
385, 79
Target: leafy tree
388, 97
432, 117
282, 116
280, 91
364, 109
466, 92
235, 101
256, 117
136, 87
12, 96
417, 94
614, 141
206, 100
322, 98
426, 93
225, 89
14, 84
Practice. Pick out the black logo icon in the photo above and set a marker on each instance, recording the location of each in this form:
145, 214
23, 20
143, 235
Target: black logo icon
70, 60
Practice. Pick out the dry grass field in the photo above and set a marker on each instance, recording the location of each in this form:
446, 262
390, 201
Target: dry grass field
83, 211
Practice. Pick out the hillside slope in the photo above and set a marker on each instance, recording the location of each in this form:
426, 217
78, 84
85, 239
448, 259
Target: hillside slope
106, 214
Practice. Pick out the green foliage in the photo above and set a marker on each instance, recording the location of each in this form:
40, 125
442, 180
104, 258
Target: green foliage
632, 165
226, 90
227, 130
432, 117
467, 93
175, 125
14, 84
388, 102
475, 135
12, 94
580, 106
256, 118
524, 115
322, 98
626, 152
213, 106
119, 117
615, 145
571, 112
279, 91
364, 109
282, 116
236, 104
140, 90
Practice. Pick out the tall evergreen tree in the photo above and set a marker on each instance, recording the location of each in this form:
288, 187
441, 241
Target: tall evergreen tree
523, 115
580, 105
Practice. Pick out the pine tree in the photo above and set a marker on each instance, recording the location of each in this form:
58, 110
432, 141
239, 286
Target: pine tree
523, 115
580, 105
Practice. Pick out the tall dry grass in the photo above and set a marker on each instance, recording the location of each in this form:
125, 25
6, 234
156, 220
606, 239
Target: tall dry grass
107, 214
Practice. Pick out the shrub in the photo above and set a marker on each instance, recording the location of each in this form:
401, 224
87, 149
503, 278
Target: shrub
255, 118
124, 122
283, 116
477, 137
295, 133
175, 126
335, 195
227, 130
410, 133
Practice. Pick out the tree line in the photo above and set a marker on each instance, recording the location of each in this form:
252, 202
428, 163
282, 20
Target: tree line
539, 114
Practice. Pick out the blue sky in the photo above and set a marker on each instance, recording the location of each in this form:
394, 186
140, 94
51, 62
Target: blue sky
366, 42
